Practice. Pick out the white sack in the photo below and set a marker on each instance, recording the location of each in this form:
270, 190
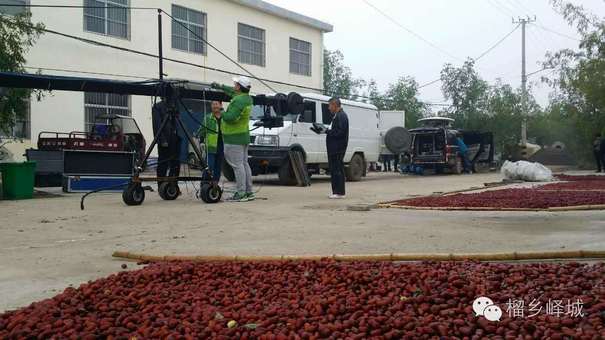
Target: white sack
526, 171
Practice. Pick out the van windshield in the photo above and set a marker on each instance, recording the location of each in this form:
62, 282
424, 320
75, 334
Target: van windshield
258, 113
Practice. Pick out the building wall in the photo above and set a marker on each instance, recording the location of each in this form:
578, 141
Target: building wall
64, 111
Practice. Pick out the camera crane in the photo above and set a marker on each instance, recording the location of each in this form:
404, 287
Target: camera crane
172, 94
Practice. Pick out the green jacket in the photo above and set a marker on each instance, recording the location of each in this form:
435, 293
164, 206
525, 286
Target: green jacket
235, 123
210, 133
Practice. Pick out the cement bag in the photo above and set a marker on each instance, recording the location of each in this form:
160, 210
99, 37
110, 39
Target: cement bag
526, 171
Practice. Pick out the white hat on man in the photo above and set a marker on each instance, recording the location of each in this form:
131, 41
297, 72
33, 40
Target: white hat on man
243, 81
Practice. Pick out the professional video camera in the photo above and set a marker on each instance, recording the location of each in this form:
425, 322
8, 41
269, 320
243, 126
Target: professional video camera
275, 107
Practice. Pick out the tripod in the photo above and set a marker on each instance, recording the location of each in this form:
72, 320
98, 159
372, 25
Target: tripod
168, 189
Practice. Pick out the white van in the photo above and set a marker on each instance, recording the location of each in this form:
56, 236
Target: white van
269, 148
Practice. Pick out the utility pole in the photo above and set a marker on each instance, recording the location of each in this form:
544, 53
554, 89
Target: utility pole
160, 48
523, 22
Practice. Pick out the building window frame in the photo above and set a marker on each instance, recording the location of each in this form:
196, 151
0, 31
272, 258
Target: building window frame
297, 56
248, 56
16, 2
108, 4
97, 104
25, 122
190, 38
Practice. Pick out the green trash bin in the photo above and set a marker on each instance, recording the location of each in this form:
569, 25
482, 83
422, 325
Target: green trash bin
18, 180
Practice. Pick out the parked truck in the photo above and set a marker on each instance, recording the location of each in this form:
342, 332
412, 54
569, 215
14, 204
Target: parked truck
268, 153
434, 146
109, 133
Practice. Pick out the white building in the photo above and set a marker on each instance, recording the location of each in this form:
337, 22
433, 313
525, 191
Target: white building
271, 42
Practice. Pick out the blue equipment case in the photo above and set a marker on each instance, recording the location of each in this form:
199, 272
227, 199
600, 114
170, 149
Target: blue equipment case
76, 184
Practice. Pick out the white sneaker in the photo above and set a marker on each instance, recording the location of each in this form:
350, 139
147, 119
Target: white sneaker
336, 197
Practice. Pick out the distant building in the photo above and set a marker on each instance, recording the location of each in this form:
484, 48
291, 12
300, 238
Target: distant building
271, 42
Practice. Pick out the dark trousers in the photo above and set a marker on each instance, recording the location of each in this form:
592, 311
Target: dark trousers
600, 160
169, 163
215, 163
337, 173
466, 163
396, 161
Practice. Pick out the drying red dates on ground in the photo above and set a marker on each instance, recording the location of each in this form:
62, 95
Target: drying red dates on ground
531, 198
313, 300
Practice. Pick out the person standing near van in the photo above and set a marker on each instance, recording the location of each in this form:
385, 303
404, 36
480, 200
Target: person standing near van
598, 152
235, 128
337, 141
463, 151
213, 139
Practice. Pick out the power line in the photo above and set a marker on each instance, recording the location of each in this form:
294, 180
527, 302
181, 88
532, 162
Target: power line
507, 14
390, 18
219, 51
496, 44
429, 83
151, 55
513, 7
521, 5
557, 33
167, 14
505, 7
541, 70
96, 43
491, 48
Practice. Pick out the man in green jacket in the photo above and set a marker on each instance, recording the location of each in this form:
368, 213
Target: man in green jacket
212, 135
236, 136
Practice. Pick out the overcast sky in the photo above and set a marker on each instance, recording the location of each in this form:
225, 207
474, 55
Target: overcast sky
376, 48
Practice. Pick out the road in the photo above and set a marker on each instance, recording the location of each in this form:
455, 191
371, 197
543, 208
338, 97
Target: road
47, 244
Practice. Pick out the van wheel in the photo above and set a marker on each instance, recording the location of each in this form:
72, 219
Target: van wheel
354, 171
228, 172
286, 173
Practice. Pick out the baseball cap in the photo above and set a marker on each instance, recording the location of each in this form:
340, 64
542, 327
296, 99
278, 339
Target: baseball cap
243, 81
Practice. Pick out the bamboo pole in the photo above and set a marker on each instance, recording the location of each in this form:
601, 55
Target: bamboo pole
514, 256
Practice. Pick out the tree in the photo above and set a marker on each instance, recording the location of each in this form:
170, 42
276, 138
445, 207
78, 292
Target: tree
497, 108
505, 113
579, 79
17, 35
468, 93
403, 95
338, 78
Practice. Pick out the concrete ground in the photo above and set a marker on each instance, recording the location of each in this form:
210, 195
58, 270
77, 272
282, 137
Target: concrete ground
47, 244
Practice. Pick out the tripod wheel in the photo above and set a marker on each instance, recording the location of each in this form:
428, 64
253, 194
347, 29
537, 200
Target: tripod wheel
169, 191
134, 194
211, 193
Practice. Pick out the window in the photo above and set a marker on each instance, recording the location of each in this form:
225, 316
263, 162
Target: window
300, 57
308, 115
22, 127
251, 45
182, 38
97, 104
19, 7
112, 18
326, 115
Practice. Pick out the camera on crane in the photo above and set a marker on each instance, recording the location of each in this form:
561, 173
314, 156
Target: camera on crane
275, 107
